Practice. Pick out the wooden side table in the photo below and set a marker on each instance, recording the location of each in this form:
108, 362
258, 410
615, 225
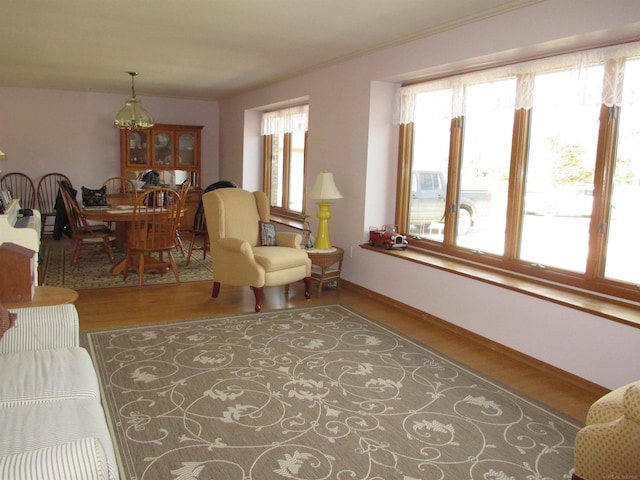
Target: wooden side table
325, 262
44, 296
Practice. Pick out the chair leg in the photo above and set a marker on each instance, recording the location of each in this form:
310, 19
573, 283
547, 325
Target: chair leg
307, 287
76, 254
216, 289
179, 245
193, 239
140, 269
107, 247
174, 267
257, 292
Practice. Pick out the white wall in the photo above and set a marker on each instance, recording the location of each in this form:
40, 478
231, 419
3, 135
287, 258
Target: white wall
44, 131
348, 135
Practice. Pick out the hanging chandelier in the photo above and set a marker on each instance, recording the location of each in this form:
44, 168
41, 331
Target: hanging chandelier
132, 116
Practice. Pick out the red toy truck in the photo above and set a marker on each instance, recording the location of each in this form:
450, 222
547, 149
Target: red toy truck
388, 237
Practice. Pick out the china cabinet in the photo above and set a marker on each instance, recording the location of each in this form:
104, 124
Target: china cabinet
171, 150
163, 147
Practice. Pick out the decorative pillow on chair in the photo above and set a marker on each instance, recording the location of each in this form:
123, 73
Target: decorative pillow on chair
267, 234
94, 198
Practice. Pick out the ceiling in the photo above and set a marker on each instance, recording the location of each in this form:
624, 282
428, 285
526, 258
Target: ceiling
207, 49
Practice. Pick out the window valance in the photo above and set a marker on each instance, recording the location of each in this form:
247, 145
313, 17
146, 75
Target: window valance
593, 77
288, 120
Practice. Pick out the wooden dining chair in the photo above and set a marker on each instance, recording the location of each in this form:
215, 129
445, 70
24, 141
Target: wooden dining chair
82, 231
122, 188
21, 187
119, 191
153, 232
182, 192
46, 192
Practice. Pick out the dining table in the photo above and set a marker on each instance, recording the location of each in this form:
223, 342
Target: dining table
122, 216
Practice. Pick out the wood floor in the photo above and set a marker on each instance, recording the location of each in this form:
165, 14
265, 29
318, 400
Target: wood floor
116, 307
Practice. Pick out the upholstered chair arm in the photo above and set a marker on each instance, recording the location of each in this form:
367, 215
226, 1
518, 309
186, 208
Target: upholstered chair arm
610, 450
235, 245
288, 239
235, 263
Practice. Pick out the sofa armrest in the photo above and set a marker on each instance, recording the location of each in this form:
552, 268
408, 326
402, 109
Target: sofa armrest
41, 328
82, 459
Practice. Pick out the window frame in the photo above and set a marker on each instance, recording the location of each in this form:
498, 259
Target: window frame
592, 280
267, 177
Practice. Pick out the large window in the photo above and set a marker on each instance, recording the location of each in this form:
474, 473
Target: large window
532, 168
285, 140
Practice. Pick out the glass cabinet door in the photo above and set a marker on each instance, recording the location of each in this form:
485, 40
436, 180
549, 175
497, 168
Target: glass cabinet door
138, 148
186, 148
162, 149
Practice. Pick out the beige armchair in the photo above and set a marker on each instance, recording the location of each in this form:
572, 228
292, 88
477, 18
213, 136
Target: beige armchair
608, 446
233, 220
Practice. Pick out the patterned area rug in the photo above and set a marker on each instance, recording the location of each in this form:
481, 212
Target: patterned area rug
93, 267
313, 393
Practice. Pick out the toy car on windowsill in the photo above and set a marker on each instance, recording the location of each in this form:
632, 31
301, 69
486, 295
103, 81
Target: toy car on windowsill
388, 237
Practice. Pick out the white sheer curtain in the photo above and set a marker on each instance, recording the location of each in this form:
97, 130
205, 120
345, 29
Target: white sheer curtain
603, 67
288, 120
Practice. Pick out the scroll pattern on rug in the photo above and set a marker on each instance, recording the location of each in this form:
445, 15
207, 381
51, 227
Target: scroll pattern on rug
314, 393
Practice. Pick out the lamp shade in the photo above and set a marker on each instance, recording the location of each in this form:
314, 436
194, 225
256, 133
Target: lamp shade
325, 188
2, 155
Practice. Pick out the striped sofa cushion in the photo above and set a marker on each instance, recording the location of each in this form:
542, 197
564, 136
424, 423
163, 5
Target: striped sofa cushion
42, 425
81, 459
38, 328
46, 375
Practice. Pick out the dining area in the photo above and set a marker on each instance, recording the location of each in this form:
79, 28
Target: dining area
136, 227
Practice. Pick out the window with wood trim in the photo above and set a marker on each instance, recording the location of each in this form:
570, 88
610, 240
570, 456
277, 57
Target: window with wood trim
532, 168
285, 141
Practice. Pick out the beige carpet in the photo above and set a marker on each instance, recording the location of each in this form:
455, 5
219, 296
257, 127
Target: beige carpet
313, 393
93, 267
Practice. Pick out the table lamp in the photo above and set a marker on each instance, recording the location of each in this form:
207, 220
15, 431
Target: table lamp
324, 189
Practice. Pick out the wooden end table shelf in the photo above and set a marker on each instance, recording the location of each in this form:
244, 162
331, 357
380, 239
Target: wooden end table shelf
45, 296
326, 261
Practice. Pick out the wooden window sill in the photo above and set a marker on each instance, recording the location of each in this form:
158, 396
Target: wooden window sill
626, 313
289, 222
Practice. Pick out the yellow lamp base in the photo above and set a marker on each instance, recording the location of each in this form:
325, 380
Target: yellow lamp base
322, 238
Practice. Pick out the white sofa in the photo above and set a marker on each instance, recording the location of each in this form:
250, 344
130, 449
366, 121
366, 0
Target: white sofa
52, 422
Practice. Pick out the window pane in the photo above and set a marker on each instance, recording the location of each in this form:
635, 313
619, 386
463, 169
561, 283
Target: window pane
559, 183
486, 158
623, 254
429, 166
277, 166
296, 172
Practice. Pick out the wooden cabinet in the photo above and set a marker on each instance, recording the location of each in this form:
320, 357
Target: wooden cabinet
173, 151
163, 147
